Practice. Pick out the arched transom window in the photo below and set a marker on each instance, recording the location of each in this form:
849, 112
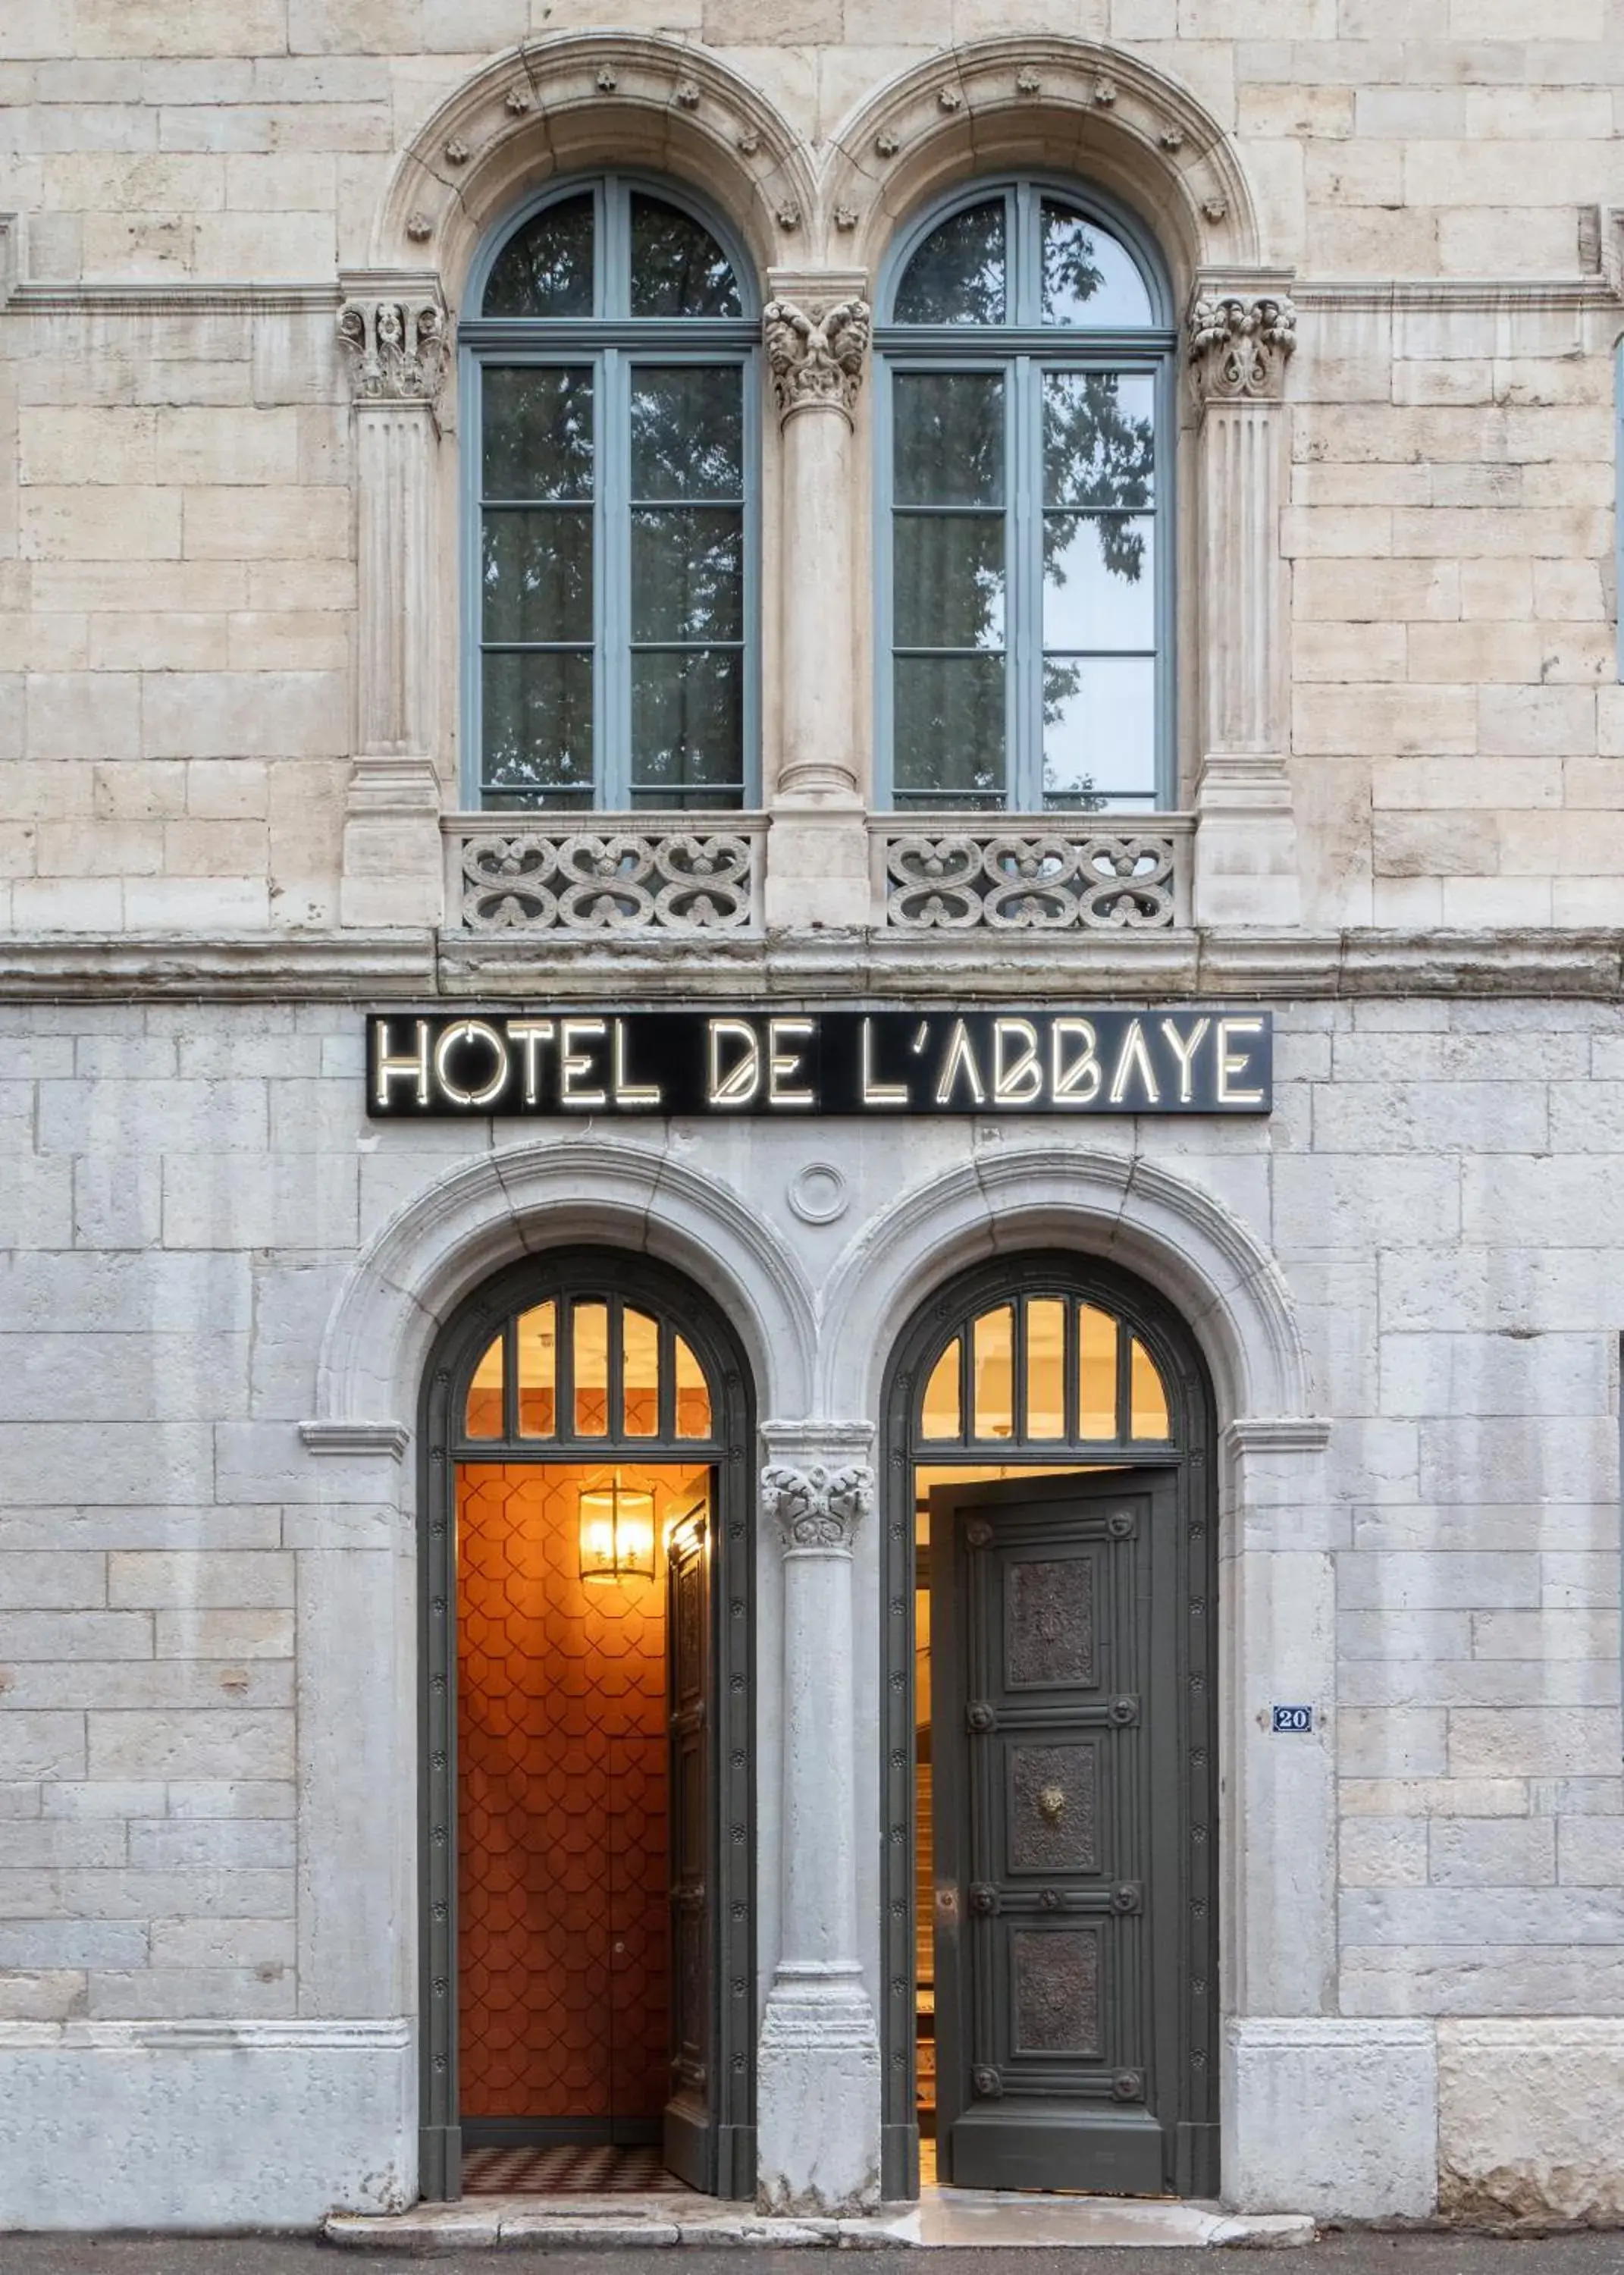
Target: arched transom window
1043, 1370
1025, 480
610, 507
589, 1370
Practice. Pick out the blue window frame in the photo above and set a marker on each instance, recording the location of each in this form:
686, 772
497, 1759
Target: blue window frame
1025, 503
611, 441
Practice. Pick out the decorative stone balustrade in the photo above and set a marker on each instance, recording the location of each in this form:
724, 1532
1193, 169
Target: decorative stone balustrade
602, 873
955, 873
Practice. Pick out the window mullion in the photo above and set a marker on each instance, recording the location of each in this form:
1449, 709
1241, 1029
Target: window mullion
613, 769
1026, 594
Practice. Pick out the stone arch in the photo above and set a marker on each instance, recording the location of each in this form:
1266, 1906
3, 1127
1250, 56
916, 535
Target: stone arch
520, 1200
1043, 102
580, 99
1176, 1237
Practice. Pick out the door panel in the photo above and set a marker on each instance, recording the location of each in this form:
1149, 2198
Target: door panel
1061, 1753
689, 2126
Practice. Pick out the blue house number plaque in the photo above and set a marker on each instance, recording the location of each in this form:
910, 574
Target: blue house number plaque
1293, 1718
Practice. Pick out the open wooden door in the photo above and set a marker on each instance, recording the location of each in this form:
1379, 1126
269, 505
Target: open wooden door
690, 2120
1070, 1811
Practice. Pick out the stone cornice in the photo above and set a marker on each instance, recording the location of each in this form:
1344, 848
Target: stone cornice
367, 967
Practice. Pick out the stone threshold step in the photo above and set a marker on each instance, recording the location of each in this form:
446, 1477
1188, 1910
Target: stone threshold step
943, 2219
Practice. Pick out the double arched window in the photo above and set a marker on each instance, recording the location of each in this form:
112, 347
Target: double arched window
1024, 413
611, 446
1025, 562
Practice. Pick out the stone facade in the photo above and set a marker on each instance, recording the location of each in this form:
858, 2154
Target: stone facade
229, 679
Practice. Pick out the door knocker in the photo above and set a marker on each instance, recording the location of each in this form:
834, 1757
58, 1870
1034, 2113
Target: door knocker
1051, 1804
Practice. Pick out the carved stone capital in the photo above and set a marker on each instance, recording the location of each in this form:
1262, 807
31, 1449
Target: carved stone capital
816, 354
819, 1507
1239, 346
398, 343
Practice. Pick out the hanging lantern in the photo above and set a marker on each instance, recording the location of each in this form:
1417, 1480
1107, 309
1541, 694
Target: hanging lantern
616, 1532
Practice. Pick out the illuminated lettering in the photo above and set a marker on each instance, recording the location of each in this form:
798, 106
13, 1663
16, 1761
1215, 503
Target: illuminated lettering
413, 1066
876, 1092
742, 1080
782, 1066
1134, 1052
573, 1064
628, 1092
530, 1034
1020, 1083
1184, 1048
1074, 1080
456, 1038
1236, 1062
960, 1059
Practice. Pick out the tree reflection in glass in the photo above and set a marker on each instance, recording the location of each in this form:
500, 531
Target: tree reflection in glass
958, 275
546, 268
677, 268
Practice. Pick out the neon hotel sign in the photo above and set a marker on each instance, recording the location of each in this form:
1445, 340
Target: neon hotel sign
582, 1061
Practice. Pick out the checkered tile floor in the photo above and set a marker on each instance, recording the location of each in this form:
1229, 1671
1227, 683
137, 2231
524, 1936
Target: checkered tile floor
565, 2169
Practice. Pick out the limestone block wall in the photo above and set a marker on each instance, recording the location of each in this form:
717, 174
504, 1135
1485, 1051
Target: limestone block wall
176, 481
186, 1187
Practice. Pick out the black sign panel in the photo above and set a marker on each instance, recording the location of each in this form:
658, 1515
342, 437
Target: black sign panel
583, 1063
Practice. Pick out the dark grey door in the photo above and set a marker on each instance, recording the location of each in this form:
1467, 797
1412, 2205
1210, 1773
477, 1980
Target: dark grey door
1070, 1843
690, 2142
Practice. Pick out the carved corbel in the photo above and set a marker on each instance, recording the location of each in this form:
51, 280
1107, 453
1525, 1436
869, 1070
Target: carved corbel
816, 354
818, 1508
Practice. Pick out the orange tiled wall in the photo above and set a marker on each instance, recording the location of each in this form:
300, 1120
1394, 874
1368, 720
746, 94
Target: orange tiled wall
561, 1777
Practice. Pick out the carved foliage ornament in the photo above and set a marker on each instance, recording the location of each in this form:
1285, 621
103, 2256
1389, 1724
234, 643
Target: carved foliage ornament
816, 354
1238, 348
819, 1507
397, 349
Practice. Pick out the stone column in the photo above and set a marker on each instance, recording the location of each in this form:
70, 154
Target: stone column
1240, 342
816, 331
819, 2081
396, 331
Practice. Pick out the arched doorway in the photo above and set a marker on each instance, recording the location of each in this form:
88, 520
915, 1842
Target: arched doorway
588, 1753
1050, 1764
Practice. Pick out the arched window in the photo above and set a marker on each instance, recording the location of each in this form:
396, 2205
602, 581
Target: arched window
1025, 486
610, 444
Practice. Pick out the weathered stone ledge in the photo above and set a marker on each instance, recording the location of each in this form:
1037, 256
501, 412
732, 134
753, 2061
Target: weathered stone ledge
831, 966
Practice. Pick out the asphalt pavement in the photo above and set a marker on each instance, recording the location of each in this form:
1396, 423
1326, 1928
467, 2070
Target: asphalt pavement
1337, 2253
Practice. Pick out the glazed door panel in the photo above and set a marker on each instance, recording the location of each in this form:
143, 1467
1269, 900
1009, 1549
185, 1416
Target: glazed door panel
1060, 1728
690, 2131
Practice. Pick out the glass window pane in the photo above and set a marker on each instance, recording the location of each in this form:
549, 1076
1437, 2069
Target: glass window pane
1098, 580
590, 1327
687, 431
538, 1372
947, 570
950, 438
677, 269
1148, 1399
1099, 439
538, 727
693, 1394
957, 275
687, 573
948, 729
537, 431
536, 576
1046, 1367
1088, 277
545, 268
1098, 731
992, 1373
941, 1416
483, 1419
687, 720
640, 1374
1096, 1373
